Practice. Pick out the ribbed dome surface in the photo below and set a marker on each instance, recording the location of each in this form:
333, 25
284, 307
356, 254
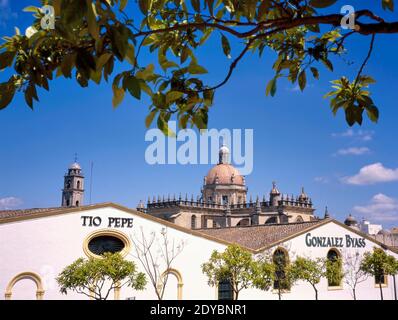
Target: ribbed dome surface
225, 173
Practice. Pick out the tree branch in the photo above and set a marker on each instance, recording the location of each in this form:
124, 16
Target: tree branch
366, 60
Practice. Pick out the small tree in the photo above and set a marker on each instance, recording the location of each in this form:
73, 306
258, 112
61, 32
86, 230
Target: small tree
98, 277
156, 255
392, 270
309, 270
235, 265
353, 274
264, 273
376, 264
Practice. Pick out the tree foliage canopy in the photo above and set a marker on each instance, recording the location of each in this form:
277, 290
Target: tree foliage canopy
98, 277
235, 264
91, 35
264, 273
309, 270
375, 263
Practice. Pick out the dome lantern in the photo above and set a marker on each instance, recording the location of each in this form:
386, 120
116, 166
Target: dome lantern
223, 155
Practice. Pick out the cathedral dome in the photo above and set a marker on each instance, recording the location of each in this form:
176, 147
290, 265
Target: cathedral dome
224, 173
350, 221
75, 166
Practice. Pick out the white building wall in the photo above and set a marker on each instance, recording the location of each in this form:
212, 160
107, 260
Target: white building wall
302, 290
46, 245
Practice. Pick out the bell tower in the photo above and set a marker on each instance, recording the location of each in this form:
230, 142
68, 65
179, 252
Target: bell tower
73, 191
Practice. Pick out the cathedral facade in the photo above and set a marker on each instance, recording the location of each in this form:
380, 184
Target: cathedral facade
223, 203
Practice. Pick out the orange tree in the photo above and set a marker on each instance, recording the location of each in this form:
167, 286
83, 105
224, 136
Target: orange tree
89, 36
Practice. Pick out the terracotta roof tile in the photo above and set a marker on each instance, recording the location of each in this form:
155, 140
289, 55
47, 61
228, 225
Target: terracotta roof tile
8, 214
257, 237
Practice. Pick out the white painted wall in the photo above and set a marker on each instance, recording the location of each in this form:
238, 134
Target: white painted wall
46, 245
303, 290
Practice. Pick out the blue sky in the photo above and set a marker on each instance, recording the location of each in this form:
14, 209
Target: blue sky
297, 141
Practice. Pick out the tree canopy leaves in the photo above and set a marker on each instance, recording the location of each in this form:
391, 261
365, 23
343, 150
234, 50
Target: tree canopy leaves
309, 270
90, 36
235, 265
99, 277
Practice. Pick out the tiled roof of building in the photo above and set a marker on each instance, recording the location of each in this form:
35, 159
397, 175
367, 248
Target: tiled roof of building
9, 214
254, 238
257, 237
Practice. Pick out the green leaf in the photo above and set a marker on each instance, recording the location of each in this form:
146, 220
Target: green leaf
226, 47
302, 80
31, 9
6, 59
130, 55
322, 3
31, 94
67, 64
118, 93
196, 5
73, 11
173, 96
123, 4
7, 92
166, 64
144, 6
328, 64
163, 125
315, 72
102, 60
146, 73
92, 21
196, 69
119, 40
185, 54
132, 84
271, 88
388, 4
365, 80
184, 120
96, 76
373, 113
118, 96
352, 115
150, 117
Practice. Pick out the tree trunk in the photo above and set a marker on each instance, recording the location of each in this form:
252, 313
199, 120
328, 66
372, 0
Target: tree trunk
395, 287
316, 293
381, 289
279, 293
354, 293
